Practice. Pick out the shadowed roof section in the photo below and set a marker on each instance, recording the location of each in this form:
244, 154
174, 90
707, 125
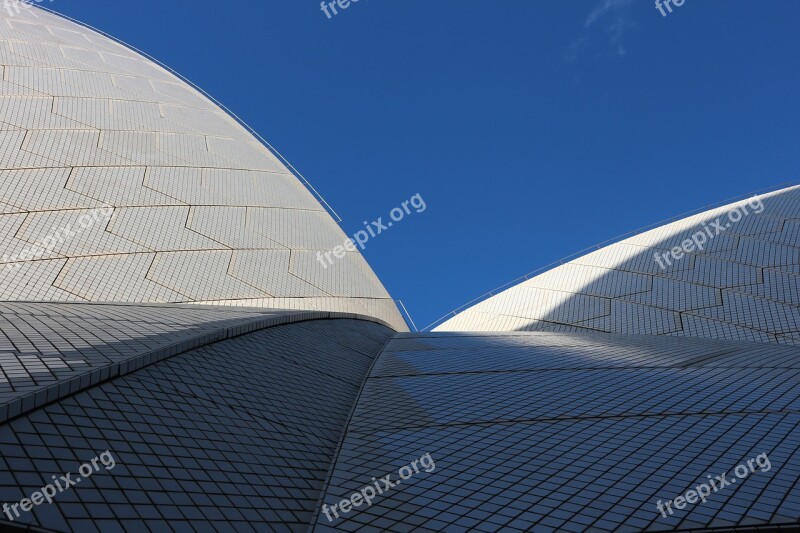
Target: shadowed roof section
551, 432
233, 435
49, 351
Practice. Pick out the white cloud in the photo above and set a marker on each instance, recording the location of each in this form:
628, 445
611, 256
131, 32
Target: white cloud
605, 7
615, 29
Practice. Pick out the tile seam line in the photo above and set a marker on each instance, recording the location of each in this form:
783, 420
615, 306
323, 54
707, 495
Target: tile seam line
743, 528
226, 110
622, 299
343, 437
56, 392
14, 526
550, 420
651, 368
135, 98
157, 206
545, 333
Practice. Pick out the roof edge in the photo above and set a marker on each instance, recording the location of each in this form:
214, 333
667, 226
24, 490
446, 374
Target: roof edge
36, 399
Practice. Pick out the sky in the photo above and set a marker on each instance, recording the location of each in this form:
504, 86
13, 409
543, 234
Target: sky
532, 129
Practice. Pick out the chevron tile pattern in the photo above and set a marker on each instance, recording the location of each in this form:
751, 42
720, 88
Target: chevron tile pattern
743, 285
198, 210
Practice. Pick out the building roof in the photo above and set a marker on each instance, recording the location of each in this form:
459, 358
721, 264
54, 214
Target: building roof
121, 182
744, 284
232, 427
126, 194
571, 432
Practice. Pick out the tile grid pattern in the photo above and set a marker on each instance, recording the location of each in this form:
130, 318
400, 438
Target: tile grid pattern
743, 285
194, 208
233, 436
51, 350
229, 418
572, 432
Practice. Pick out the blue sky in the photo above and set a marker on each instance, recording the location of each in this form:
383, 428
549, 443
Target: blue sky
532, 129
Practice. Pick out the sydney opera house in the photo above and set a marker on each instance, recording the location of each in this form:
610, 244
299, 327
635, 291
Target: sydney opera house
161, 304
